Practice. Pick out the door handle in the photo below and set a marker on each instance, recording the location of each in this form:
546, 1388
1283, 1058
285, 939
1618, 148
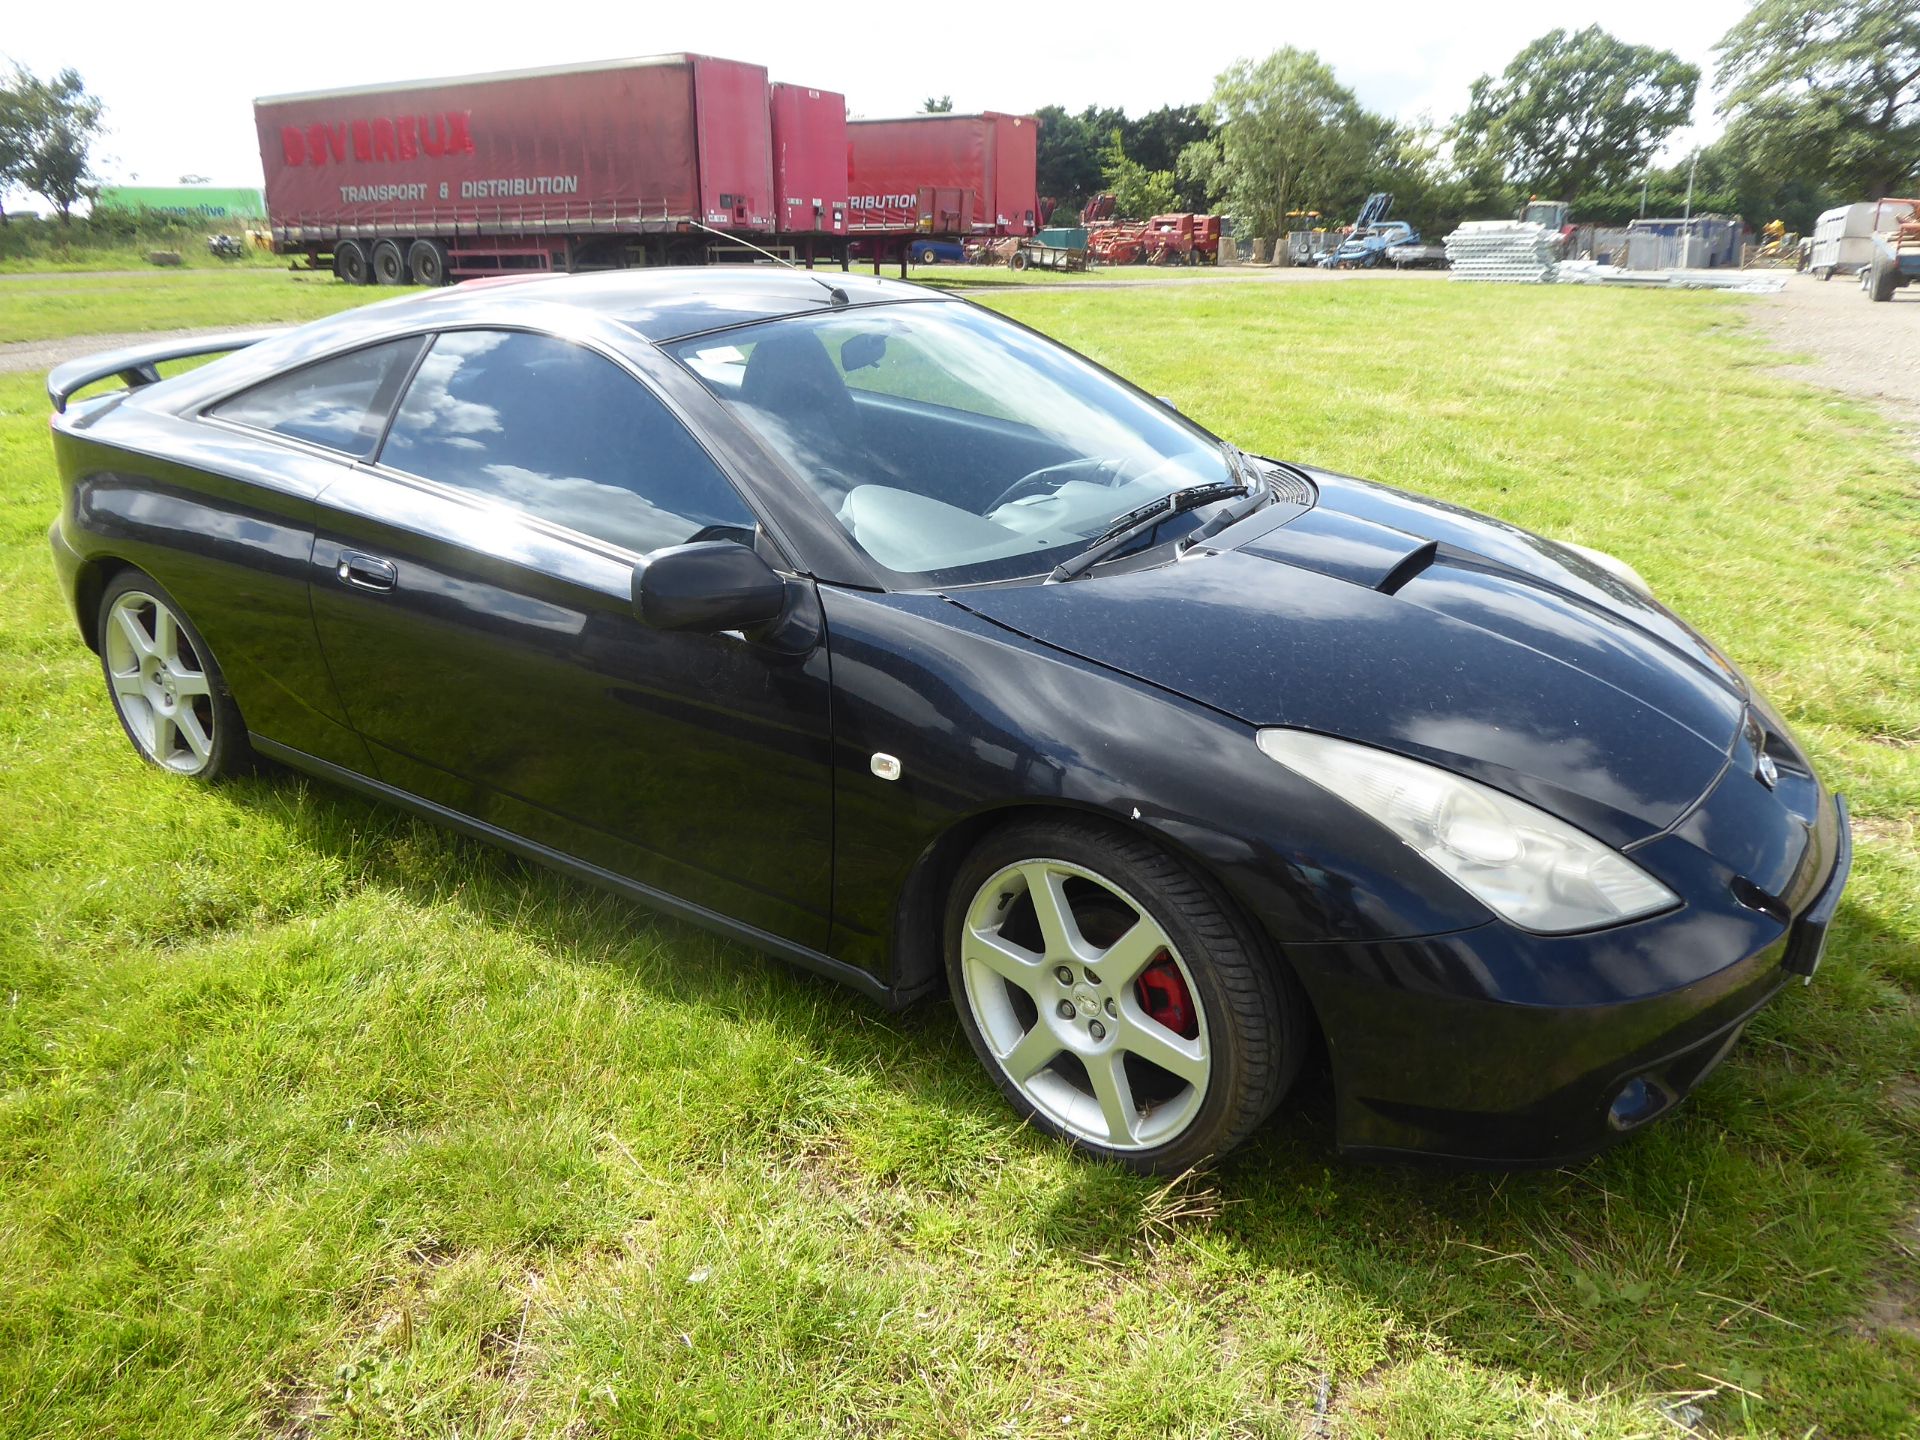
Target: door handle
367, 572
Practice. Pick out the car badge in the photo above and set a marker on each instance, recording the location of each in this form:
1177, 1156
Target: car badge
1768, 772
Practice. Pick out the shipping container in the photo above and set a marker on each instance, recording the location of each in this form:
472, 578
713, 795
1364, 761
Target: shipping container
809, 161
948, 175
618, 162
1699, 242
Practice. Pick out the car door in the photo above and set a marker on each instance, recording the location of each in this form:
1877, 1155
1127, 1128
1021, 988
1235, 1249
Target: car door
472, 591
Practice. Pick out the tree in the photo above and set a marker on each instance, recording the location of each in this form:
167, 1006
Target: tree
18, 105
937, 105
1574, 111
1409, 163
47, 130
1291, 137
1138, 193
1826, 92
1067, 162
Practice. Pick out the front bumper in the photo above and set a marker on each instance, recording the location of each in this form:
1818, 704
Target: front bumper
1498, 1048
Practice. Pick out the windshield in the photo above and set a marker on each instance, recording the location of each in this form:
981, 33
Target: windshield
953, 446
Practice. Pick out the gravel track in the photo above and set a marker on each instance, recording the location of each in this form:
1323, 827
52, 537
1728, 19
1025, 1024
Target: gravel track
18, 355
1842, 341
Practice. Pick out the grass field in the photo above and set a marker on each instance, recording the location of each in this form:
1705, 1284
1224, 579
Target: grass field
315, 1120
43, 307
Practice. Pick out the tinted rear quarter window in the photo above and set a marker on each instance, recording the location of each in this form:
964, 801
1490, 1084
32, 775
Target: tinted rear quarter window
340, 403
559, 432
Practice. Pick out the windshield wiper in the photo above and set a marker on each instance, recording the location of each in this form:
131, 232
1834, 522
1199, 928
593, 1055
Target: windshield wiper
1135, 523
1233, 514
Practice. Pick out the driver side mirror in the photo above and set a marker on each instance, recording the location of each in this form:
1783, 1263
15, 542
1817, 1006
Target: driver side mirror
708, 586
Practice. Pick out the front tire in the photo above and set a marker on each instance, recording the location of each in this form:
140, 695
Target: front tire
166, 688
1117, 998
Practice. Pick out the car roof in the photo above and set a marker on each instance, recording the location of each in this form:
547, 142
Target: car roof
661, 304
649, 306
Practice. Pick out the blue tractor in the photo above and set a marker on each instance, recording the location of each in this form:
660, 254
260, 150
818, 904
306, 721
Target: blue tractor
1372, 235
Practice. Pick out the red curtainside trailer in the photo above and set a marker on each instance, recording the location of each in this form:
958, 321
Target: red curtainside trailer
947, 176
809, 163
616, 163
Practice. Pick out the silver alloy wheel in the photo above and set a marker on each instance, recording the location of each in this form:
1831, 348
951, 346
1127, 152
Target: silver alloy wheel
1063, 1020
159, 683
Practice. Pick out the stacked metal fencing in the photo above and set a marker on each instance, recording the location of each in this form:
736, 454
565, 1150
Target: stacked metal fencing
1506, 250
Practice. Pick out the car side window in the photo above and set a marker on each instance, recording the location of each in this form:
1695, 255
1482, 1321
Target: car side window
564, 434
340, 403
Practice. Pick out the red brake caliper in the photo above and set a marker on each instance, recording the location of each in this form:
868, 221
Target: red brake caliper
1163, 995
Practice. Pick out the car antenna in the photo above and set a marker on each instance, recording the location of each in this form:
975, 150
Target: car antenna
835, 294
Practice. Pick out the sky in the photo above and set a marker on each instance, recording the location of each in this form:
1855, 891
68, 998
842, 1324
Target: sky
179, 82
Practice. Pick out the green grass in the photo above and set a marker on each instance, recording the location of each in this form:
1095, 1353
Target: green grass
192, 250
44, 307
985, 276
316, 1120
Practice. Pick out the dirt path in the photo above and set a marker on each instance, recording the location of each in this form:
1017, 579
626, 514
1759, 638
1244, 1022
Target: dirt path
1845, 342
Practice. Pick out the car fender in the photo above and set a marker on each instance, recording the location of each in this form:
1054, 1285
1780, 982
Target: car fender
981, 723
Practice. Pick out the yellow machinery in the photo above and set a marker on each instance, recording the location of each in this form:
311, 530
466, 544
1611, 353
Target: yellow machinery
1779, 248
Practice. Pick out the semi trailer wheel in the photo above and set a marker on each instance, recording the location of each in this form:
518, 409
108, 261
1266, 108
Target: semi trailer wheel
427, 262
350, 262
389, 263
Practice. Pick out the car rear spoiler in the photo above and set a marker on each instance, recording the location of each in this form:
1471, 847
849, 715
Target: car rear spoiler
140, 365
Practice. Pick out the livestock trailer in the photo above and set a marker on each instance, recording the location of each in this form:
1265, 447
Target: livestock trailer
1842, 240
625, 162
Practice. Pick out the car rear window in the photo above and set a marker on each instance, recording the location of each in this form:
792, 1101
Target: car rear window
340, 403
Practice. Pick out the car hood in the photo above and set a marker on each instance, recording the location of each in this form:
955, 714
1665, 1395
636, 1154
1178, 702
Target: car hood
1424, 629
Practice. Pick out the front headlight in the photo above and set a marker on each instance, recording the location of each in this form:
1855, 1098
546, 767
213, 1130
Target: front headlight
1520, 862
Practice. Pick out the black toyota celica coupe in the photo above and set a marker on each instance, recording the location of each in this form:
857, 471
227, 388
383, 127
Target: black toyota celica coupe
888, 636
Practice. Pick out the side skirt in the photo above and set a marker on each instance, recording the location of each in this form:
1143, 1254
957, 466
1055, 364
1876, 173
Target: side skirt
851, 976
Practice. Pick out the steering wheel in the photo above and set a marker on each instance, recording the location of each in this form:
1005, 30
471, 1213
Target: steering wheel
1034, 481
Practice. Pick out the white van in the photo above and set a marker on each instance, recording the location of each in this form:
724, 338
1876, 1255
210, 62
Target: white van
1843, 240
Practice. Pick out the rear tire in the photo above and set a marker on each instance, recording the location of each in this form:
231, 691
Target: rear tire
167, 689
427, 262
929, 257
1117, 998
389, 263
350, 262
1882, 280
